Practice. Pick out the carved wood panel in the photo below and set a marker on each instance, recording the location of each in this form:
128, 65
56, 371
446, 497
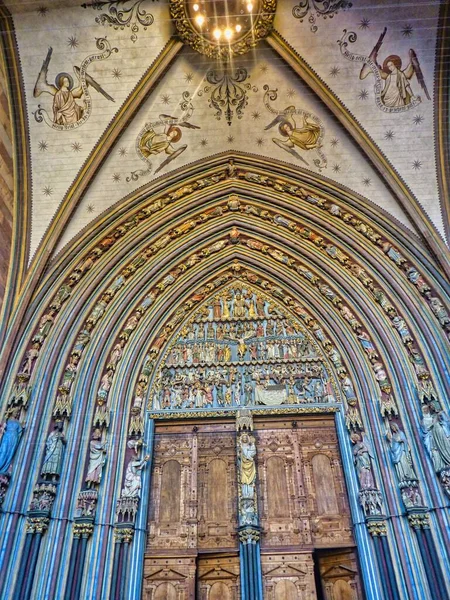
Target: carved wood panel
339, 575
288, 576
325, 484
169, 578
302, 493
283, 504
217, 490
170, 499
302, 506
193, 497
218, 578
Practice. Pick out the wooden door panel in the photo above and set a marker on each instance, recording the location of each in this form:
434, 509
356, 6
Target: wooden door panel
218, 578
168, 578
283, 515
217, 504
339, 575
288, 576
172, 475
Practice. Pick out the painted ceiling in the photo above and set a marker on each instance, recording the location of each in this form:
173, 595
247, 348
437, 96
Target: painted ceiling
198, 107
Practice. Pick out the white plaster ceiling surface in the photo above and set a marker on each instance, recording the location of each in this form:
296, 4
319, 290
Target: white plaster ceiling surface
405, 135
58, 154
338, 158
403, 130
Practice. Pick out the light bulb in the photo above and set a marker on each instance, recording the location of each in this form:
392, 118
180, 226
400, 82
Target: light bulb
228, 33
250, 7
196, 7
217, 33
238, 28
199, 19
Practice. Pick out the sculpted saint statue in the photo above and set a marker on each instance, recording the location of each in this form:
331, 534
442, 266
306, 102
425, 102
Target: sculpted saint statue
247, 465
363, 464
436, 433
401, 456
133, 475
12, 433
97, 458
54, 448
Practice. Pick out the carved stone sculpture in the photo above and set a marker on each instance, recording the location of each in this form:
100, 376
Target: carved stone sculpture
401, 455
12, 432
133, 476
97, 458
362, 460
436, 434
54, 449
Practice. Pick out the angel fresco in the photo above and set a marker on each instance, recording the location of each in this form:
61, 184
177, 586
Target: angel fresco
303, 133
152, 143
68, 113
160, 137
393, 92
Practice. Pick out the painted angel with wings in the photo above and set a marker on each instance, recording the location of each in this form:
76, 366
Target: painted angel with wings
396, 91
66, 111
305, 132
305, 135
152, 143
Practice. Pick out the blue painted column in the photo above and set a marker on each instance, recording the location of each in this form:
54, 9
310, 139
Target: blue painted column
249, 530
136, 548
370, 532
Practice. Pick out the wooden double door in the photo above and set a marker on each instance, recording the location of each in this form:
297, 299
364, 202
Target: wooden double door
307, 548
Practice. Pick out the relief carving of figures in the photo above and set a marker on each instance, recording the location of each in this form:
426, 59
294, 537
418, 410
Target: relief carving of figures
438, 309
369, 496
54, 450
393, 92
97, 458
12, 432
30, 358
67, 113
82, 340
45, 324
116, 355
105, 385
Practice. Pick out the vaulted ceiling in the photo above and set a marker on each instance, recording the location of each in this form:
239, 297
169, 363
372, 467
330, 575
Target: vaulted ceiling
385, 149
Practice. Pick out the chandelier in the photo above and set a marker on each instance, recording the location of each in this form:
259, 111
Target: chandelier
221, 28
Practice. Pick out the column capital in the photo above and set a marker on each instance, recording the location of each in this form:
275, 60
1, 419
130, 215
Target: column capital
249, 535
376, 526
37, 524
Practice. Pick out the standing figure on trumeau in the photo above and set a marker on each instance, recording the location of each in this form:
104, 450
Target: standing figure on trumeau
247, 465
